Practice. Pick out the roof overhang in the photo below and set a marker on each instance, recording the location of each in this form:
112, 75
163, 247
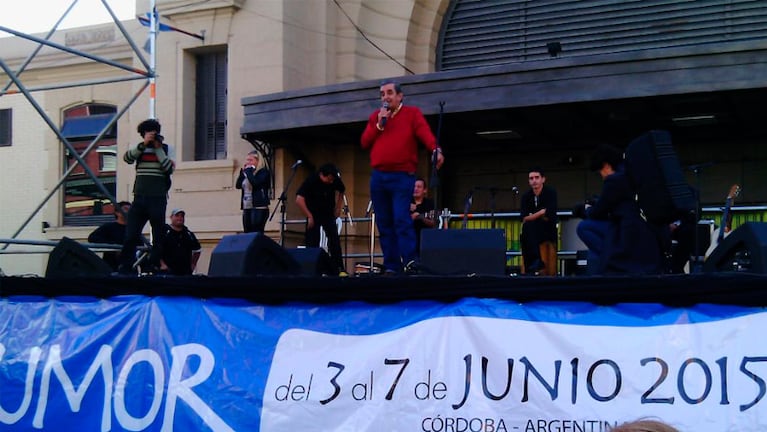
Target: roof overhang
541, 101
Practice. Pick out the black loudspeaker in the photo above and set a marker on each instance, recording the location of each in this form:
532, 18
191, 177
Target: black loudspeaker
71, 259
462, 252
653, 166
313, 261
744, 250
250, 254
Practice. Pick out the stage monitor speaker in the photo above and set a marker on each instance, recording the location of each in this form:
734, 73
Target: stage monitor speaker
464, 251
662, 191
71, 259
313, 261
250, 254
744, 250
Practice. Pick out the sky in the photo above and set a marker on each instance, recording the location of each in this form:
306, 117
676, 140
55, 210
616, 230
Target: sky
36, 16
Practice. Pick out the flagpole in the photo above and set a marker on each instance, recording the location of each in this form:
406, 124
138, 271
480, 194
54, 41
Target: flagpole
152, 85
152, 59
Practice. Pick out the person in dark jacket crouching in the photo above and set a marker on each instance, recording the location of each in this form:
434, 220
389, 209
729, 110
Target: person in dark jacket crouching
618, 238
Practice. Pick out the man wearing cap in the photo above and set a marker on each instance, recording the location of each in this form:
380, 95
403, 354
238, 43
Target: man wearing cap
320, 198
181, 249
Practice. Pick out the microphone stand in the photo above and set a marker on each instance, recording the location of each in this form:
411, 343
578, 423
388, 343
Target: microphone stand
349, 222
434, 183
281, 201
371, 213
697, 257
493, 191
466, 207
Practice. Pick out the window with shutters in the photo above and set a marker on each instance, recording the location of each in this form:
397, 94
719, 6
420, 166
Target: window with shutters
210, 108
490, 32
5, 127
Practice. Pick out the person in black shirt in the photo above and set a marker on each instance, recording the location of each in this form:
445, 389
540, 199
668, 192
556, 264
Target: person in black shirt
181, 249
538, 209
320, 198
112, 233
421, 211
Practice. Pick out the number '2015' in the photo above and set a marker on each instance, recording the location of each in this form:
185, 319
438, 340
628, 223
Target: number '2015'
651, 396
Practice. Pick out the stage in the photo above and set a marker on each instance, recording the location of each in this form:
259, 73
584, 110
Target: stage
726, 288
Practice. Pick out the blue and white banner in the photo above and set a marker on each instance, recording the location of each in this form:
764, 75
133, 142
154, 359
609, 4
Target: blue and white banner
159, 364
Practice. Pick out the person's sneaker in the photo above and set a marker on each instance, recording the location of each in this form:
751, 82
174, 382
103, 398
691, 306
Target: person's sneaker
412, 267
536, 267
343, 273
152, 270
389, 272
123, 270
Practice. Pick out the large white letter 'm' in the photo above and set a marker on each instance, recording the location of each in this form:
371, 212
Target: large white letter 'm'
7, 417
74, 396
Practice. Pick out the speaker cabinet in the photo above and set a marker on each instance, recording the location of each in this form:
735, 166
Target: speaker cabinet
313, 261
662, 190
465, 251
71, 259
744, 250
250, 254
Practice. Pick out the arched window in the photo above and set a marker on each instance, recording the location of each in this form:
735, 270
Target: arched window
84, 202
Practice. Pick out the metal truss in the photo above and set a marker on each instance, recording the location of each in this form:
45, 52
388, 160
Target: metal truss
147, 73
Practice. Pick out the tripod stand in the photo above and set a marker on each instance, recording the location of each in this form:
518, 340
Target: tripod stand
371, 213
493, 191
697, 256
349, 222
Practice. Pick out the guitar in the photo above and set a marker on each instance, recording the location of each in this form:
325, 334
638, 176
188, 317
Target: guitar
726, 225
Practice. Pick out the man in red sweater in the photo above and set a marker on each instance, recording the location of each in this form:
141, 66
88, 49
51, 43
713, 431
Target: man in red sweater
392, 136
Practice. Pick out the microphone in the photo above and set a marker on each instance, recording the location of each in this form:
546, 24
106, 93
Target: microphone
383, 119
515, 189
295, 165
